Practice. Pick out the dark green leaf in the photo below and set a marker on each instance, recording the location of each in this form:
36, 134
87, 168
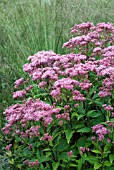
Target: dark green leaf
69, 134
78, 126
98, 103
92, 159
84, 130
62, 145
89, 113
82, 141
63, 156
93, 113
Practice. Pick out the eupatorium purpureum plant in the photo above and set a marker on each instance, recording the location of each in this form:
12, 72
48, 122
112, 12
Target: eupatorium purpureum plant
63, 116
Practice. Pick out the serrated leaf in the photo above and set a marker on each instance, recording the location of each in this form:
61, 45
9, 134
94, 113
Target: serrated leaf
69, 134
111, 158
96, 151
97, 165
55, 165
84, 130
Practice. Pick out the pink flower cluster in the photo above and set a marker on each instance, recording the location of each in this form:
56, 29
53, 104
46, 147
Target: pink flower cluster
63, 71
107, 107
31, 164
64, 116
8, 147
82, 28
77, 96
19, 94
46, 137
100, 131
110, 124
87, 33
18, 82
70, 153
31, 110
33, 131
83, 149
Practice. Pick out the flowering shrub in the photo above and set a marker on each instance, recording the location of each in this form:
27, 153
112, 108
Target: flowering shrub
64, 116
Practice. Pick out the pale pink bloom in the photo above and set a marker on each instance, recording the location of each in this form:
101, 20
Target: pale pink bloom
8, 147
70, 153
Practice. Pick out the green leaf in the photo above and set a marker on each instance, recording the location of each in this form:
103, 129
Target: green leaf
97, 165
107, 163
19, 166
96, 145
78, 126
107, 147
80, 163
69, 134
55, 165
81, 110
47, 149
11, 161
98, 103
48, 154
82, 141
62, 145
84, 130
111, 158
89, 113
95, 96
75, 114
96, 151
92, 113
92, 90
63, 156
92, 159
72, 165
80, 116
